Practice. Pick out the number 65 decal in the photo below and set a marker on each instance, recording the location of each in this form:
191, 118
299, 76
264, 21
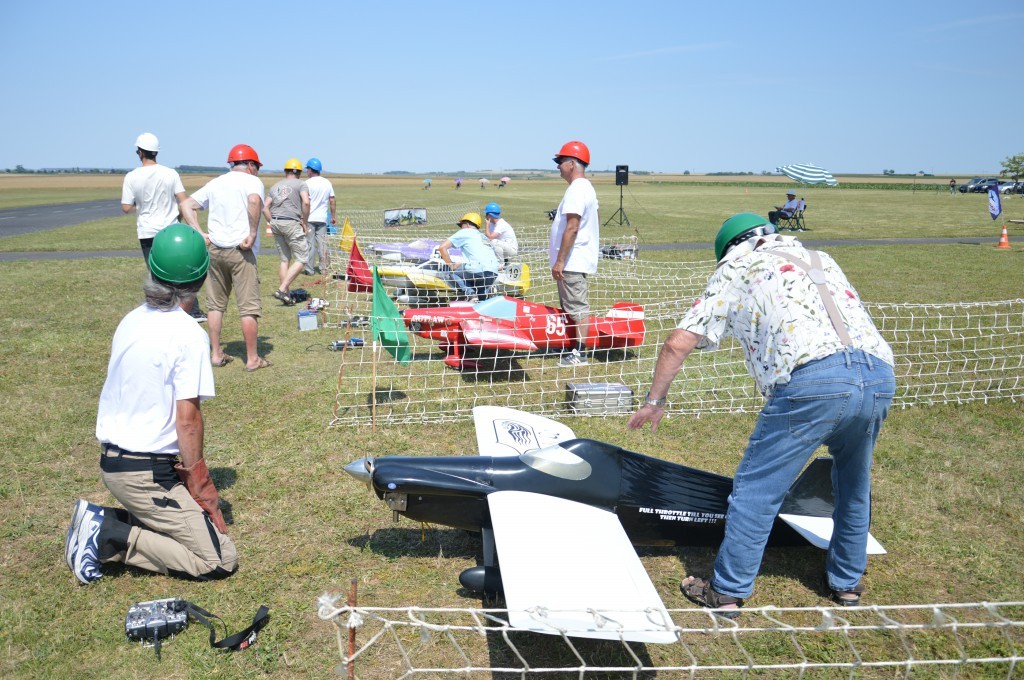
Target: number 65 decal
555, 325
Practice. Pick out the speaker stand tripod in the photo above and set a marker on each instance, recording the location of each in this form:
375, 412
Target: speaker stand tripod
620, 213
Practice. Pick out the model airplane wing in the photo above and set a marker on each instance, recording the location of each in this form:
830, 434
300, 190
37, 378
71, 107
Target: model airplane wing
569, 567
492, 335
818, 532
504, 431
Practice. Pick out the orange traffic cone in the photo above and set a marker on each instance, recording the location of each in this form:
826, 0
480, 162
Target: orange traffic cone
1004, 239
269, 232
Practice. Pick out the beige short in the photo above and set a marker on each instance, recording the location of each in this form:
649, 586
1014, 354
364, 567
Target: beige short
291, 240
233, 269
573, 295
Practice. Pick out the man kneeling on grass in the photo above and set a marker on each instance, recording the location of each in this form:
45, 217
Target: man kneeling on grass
150, 430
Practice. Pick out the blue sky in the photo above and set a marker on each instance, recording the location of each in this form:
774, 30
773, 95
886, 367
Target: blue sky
422, 86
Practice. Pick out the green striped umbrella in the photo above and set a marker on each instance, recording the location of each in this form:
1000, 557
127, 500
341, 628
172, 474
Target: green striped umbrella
808, 173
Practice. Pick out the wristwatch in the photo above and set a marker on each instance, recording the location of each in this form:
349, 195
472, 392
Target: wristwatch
659, 403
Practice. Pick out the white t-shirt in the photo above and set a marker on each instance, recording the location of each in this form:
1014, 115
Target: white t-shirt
152, 189
320, 194
579, 199
156, 359
227, 198
504, 232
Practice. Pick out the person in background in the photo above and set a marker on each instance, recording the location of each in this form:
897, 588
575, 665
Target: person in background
501, 234
287, 213
235, 201
787, 210
322, 208
573, 250
479, 267
153, 192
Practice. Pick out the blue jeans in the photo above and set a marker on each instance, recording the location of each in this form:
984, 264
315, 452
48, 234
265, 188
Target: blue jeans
840, 401
471, 284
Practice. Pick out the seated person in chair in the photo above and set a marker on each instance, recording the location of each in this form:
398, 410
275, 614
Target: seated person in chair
786, 211
479, 268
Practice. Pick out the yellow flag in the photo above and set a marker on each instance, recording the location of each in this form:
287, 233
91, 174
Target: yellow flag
348, 237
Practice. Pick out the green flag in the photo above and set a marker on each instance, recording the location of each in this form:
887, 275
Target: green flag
386, 325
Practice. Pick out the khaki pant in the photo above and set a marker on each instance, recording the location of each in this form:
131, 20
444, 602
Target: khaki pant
573, 295
504, 251
316, 238
291, 240
233, 269
169, 533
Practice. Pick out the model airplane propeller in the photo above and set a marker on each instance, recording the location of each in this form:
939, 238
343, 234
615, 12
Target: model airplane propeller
561, 515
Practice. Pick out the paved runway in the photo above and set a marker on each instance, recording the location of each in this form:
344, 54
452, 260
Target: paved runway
34, 218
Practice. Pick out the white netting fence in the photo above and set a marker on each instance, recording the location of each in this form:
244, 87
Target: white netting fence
956, 352
929, 640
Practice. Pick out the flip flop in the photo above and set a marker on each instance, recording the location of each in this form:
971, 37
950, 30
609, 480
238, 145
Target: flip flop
224, 361
264, 363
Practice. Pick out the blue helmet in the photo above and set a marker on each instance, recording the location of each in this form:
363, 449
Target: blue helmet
492, 209
315, 165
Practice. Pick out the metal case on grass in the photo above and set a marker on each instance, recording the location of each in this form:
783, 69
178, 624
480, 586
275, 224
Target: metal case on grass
599, 398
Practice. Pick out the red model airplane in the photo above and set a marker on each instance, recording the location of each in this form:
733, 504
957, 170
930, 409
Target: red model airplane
506, 323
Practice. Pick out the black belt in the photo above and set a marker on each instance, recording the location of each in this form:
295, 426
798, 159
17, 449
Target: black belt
114, 456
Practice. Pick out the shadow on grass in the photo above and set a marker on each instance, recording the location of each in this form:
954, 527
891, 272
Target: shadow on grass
236, 348
419, 543
492, 369
550, 651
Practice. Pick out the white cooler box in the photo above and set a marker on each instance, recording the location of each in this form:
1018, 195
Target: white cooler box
599, 398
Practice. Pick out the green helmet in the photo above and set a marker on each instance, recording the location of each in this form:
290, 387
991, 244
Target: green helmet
739, 228
179, 254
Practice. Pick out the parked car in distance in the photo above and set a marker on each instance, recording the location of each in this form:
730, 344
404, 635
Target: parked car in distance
977, 185
1011, 187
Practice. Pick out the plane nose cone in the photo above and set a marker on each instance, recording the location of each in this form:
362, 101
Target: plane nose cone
361, 469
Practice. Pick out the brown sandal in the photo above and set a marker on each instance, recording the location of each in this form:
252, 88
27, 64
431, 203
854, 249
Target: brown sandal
846, 598
699, 591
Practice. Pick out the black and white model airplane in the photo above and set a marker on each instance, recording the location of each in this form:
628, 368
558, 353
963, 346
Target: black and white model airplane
561, 515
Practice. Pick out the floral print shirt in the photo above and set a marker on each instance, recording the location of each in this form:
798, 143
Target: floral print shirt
775, 312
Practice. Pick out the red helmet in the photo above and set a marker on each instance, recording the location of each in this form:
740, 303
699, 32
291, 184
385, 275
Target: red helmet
575, 149
243, 152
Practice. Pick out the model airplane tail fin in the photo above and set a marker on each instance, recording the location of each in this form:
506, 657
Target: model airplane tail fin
515, 277
809, 505
811, 494
624, 324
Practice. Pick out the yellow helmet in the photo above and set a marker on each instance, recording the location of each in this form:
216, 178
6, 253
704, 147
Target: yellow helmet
473, 218
293, 164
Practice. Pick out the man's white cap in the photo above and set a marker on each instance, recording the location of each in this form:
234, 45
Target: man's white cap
788, 193
147, 141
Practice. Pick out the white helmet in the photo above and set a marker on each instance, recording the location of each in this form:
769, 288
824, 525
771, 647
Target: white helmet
147, 141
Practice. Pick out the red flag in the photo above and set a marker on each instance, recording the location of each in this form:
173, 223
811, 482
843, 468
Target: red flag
360, 278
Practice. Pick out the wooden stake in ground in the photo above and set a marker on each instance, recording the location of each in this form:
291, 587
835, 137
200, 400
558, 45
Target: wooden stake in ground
352, 631
373, 388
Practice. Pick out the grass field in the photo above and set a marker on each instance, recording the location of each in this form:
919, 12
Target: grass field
948, 494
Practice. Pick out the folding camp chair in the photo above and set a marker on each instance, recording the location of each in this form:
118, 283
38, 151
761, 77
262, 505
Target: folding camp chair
794, 222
